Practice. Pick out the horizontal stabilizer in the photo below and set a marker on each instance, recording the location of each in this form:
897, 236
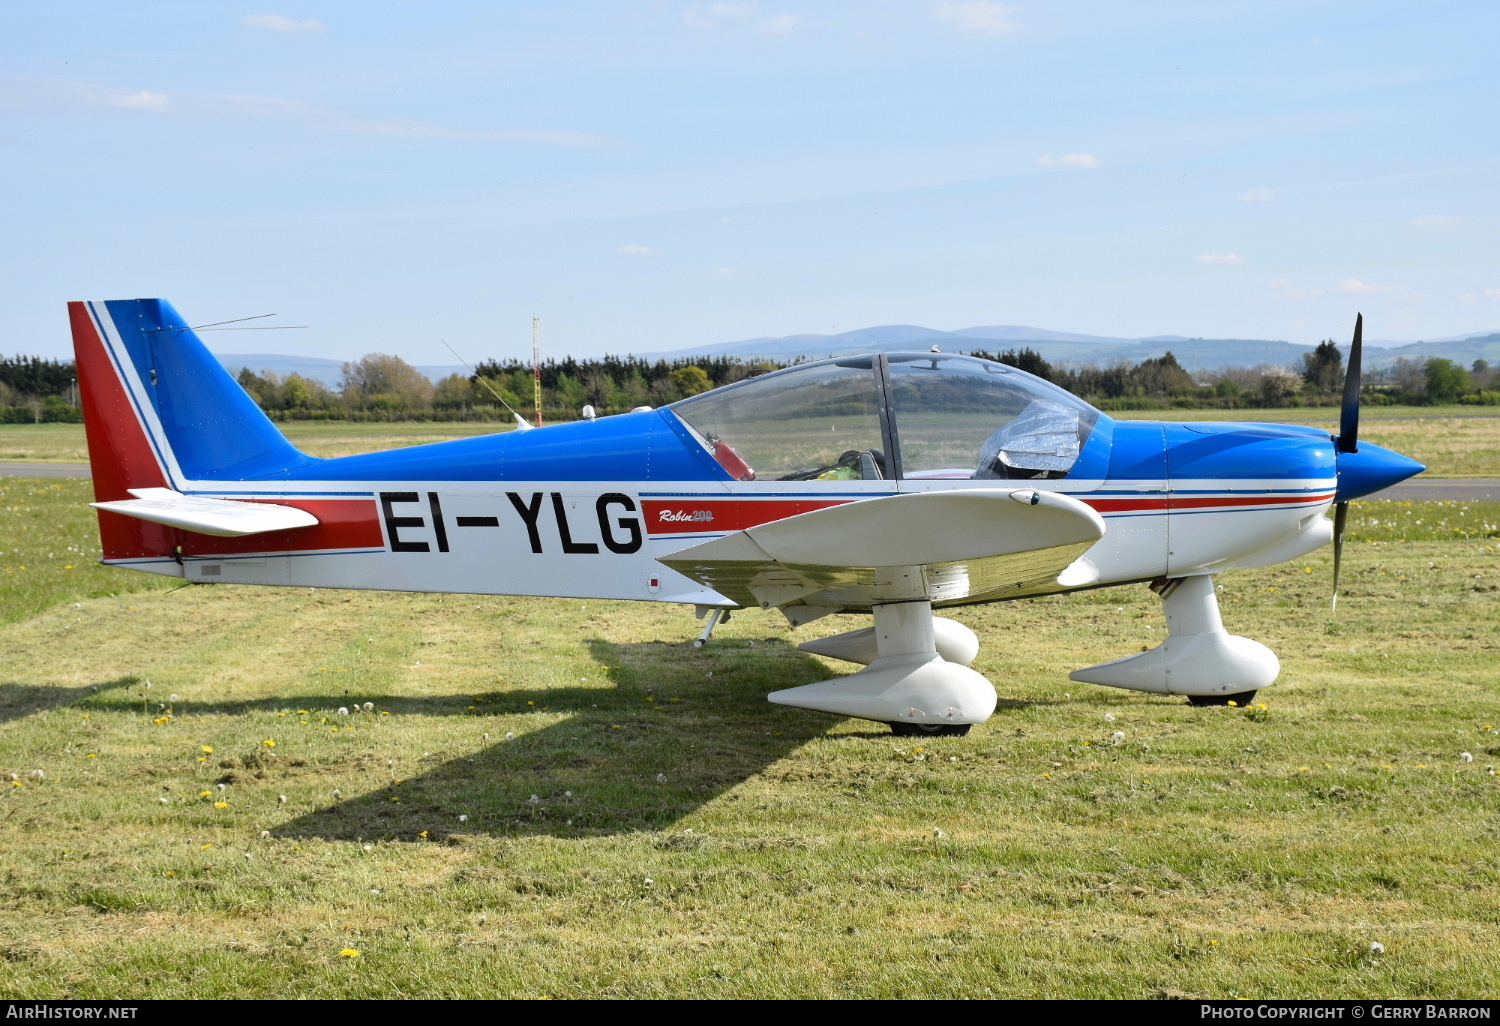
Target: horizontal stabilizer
222, 518
942, 546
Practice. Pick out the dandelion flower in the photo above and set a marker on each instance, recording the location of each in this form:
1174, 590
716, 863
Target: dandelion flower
1463, 757
1377, 948
369, 707
269, 742
463, 818
343, 710
281, 798
205, 794
349, 953
369, 847
221, 805
1109, 717
661, 778
937, 832
205, 847
265, 833
208, 749
163, 801
174, 698
1117, 736
38, 774
649, 881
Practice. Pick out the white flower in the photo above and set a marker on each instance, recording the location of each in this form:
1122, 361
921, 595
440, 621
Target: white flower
221, 787
649, 881
1109, 717
265, 833
369, 707
163, 801
369, 847
38, 774
1463, 757
281, 798
1117, 736
463, 819
510, 735
937, 832
567, 794
1377, 948
338, 793
374, 890
173, 698
343, 711
661, 778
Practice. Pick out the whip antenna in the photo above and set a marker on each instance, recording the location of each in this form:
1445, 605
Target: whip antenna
520, 422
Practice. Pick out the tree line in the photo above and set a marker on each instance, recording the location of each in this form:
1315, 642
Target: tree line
384, 387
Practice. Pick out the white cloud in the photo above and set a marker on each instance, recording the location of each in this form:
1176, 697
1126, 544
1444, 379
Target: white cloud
142, 100
54, 97
281, 23
1279, 283
722, 272
978, 17
1258, 196
1435, 221
638, 251
781, 25
1070, 160
1220, 258
1492, 293
707, 18
1357, 286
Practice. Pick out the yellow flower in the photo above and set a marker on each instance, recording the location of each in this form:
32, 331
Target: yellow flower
209, 749
205, 847
269, 742
93, 755
202, 758
221, 805
1232, 702
422, 834
349, 953
205, 794
1046, 776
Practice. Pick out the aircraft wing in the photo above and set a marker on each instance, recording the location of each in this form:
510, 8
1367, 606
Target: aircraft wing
223, 518
954, 546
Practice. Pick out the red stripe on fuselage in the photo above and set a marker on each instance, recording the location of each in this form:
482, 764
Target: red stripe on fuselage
714, 516
1176, 502
342, 524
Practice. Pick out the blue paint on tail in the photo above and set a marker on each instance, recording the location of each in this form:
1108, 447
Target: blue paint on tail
212, 426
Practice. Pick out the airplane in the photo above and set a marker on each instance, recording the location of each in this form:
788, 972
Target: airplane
892, 483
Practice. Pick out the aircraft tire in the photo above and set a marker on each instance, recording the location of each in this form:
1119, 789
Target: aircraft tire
1243, 698
930, 729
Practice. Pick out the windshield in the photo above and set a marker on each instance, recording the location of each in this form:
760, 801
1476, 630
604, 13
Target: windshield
953, 417
962, 417
815, 423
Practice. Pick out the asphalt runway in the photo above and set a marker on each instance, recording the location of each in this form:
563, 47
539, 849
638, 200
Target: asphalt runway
1469, 489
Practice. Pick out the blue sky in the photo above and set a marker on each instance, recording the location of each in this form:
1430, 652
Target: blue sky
653, 175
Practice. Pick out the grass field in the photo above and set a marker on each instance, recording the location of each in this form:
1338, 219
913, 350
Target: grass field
1454, 441
559, 798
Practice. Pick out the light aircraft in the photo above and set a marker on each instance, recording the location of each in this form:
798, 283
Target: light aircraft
891, 483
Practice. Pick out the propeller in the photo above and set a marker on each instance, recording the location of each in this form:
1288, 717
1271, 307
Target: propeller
1347, 440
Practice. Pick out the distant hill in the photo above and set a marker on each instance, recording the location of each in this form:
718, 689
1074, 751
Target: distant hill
1068, 347
314, 368
1195, 354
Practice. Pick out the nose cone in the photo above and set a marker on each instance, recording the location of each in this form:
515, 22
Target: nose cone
1370, 469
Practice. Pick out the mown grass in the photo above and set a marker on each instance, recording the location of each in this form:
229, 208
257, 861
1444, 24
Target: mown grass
1453, 441
563, 798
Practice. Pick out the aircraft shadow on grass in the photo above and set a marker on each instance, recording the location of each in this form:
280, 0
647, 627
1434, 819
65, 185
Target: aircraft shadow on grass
18, 700
638, 756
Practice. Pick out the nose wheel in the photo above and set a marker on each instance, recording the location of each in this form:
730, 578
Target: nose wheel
1243, 698
901, 729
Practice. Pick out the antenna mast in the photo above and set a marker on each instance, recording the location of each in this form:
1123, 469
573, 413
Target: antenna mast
536, 367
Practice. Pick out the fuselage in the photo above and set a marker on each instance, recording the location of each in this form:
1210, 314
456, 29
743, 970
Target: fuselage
587, 509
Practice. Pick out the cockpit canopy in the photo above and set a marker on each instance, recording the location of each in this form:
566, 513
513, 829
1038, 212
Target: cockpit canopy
902, 415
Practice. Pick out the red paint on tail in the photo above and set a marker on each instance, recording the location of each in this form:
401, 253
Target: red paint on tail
120, 454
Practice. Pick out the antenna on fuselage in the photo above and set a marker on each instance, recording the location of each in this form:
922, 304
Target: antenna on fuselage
521, 424
536, 366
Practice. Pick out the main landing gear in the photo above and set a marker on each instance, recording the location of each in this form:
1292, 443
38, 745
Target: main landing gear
917, 678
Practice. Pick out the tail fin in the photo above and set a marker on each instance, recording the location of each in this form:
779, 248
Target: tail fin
161, 412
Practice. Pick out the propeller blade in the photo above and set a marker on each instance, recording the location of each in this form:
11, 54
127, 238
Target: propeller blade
1340, 518
1348, 440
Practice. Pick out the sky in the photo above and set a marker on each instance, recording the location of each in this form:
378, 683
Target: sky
653, 174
